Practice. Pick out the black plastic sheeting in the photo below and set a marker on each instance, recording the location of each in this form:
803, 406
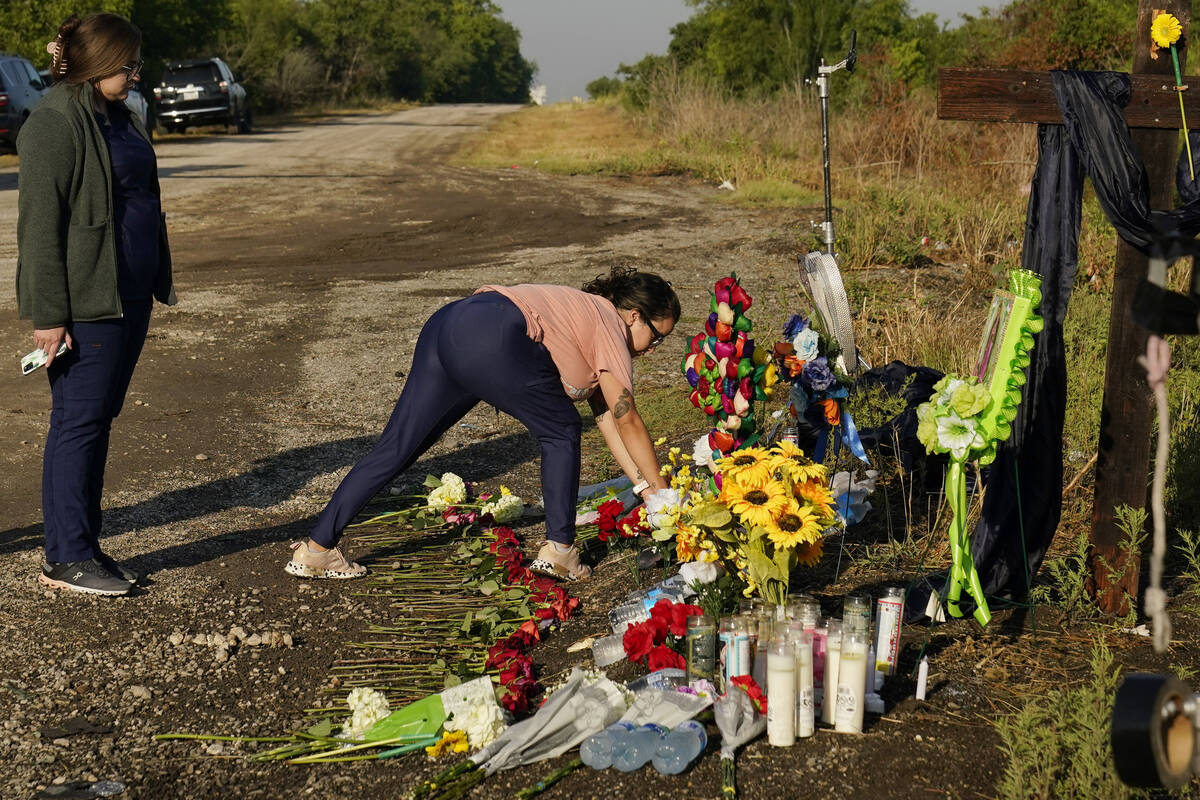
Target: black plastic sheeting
1023, 503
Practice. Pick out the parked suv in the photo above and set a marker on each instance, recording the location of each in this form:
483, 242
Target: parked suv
21, 89
201, 92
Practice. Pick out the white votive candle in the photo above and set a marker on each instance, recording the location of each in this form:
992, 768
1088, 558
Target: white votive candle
922, 677
781, 693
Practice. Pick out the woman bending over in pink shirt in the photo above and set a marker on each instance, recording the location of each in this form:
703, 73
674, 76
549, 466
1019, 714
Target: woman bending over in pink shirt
546, 347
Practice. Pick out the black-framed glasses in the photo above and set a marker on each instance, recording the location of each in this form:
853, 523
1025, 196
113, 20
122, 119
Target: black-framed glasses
657, 338
135, 68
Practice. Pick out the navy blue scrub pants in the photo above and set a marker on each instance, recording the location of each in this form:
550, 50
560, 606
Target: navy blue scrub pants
87, 387
471, 350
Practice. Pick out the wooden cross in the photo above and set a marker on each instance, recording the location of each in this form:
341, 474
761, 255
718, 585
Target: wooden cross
1126, 418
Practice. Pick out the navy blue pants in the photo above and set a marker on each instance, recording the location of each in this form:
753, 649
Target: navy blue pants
87, 388
471, 350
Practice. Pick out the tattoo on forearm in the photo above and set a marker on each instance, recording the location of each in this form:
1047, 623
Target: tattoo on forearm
624, 404
640, 476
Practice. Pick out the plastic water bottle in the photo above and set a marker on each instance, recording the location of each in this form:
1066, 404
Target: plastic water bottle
597, 750
640, 746
680, 747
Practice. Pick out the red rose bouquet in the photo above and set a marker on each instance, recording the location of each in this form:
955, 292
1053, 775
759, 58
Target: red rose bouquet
657, 642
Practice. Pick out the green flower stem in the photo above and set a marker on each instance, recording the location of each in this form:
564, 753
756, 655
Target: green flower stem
551, 779
1182, 114
341, 752
207, 737
728, 778
425, 789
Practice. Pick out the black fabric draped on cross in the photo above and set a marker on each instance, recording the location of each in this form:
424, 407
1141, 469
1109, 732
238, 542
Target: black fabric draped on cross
1024, 486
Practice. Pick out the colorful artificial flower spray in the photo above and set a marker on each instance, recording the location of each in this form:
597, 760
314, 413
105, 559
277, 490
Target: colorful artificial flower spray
727, 371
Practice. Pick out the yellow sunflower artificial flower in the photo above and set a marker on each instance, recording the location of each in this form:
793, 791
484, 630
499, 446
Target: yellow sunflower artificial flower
756, 505
749, 466
791, 461
1165, 30
809, 554
798, 525
818, 495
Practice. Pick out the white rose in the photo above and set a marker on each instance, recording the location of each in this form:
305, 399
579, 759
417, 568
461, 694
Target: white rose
482, 722
806, 344
451, 492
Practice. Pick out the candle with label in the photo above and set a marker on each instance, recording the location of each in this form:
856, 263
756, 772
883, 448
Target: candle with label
833, 655
852, 678
805, 722
781, 693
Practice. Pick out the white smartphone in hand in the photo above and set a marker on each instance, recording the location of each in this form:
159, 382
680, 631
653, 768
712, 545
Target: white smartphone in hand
39, 358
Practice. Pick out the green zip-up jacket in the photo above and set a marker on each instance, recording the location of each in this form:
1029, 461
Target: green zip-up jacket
66, 237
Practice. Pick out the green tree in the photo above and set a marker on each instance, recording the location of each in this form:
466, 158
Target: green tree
27, 25
604, 87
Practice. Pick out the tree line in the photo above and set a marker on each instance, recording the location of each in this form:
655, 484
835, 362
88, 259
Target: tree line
292, 52
756, 47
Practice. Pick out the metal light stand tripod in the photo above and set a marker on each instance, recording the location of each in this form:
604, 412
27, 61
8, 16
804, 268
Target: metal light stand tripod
820, 273
823, 72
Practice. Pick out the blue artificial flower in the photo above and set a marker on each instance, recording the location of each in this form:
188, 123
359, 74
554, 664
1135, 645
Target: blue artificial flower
817, 374
794, 325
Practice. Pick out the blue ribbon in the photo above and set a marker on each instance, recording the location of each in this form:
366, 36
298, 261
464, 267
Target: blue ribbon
850, 437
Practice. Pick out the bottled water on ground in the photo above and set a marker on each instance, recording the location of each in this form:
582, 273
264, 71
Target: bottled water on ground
680, 747
640, 746
597, 750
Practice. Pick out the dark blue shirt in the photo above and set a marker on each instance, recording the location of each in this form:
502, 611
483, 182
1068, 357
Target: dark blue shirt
136, 207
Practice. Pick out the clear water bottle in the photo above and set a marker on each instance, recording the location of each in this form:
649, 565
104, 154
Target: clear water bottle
640, 746
608, 650
680, 747
625, 615
597, 750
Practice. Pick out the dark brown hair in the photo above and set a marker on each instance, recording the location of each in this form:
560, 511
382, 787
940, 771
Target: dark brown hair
627, 288
94, 47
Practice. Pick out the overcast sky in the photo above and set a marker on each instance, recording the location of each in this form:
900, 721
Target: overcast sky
577, 41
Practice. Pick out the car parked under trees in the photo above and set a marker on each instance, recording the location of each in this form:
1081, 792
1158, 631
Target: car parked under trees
200, 92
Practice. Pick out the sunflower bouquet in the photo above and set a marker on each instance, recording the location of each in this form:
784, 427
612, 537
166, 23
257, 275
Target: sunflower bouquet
760, 513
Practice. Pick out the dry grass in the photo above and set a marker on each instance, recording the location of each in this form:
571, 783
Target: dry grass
565, 137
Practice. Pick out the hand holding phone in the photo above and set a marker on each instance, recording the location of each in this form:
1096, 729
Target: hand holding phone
39, 358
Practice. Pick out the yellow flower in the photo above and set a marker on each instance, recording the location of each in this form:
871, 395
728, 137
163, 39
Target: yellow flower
791, 461
797, 526
749, 467
453, 741
1165, 30
810, 553
818, 495
660, 441
756, 505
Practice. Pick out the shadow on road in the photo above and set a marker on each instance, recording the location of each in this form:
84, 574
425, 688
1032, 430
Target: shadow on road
273, 481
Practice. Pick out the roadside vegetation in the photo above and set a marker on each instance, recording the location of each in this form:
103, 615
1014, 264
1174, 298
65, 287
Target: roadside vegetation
312, 53
929, 217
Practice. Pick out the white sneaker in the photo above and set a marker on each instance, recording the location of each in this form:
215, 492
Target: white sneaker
306, 563
563, 566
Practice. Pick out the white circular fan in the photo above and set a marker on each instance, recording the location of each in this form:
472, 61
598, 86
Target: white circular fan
823, 280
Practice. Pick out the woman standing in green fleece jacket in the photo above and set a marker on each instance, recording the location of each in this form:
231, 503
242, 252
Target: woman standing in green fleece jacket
92, 257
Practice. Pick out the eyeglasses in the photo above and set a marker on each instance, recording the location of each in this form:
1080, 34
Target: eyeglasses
135, 68
657, 337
